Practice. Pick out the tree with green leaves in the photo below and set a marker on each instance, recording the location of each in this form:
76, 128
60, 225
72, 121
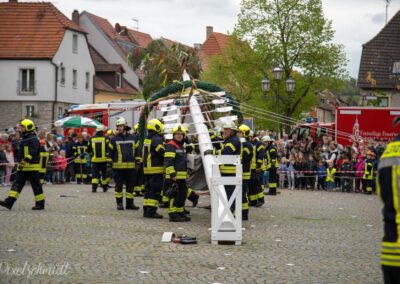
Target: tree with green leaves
163, 63
295, 35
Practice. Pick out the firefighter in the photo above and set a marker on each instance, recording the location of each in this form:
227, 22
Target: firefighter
110, 174
153, 168
247, 157
139, 185
175, 163
80, 149
271, 155
124, 153
231, 146
98, 149
389, 192
28, 168
216, 139
368, 173
44, 159
256, 193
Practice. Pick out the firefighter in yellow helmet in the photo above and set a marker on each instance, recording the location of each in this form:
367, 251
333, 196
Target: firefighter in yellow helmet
153, 168
175, 162
28, 167
139, 185
80, 150
271, 155
246, 156
98, 149
124, 153
388, 181
256, 192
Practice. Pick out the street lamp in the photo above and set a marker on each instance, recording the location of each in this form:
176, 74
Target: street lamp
265, 84
290, 85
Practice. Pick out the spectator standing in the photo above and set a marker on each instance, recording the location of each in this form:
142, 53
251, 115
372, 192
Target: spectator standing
10, 164
282, 172
321, 172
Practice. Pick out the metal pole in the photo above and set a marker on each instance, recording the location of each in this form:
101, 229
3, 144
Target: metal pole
277, 106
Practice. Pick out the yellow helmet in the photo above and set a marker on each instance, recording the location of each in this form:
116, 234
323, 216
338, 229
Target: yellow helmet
179, 129
28, 124
155, 125
136, 127
111, 132
245, 130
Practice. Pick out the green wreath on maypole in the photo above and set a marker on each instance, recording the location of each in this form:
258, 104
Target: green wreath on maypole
178, 87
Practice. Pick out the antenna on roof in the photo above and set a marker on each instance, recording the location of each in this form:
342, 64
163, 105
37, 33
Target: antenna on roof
387, 7
137, 23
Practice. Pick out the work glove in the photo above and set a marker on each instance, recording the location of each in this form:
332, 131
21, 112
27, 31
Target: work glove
21, 165
208, 152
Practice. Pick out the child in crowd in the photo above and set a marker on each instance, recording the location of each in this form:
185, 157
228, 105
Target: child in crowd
310, 174
60, 167
330, 177
346, 168
290, 173
282, 172
321, 172
3, 163
10, 164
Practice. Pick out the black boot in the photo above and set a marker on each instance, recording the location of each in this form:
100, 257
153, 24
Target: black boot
259, 203
163, 205
105, 188
120, 206
245, 215
186, 212
94, 187
130, 205
175, 217
6, 204
195, 200
185, 217
39, 205
152, 213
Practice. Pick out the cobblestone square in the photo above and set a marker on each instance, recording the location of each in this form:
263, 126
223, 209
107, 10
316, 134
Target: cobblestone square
296, 237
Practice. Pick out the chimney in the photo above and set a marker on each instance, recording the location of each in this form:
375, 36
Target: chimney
209, 31
75, 17
117, 28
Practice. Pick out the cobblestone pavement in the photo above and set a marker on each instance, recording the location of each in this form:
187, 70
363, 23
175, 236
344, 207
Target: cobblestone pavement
297, 237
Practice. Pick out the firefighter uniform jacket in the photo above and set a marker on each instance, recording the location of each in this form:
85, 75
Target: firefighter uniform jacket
29, 152
231, 146
216, 140
123, 151
257, 161
175, 160
80, 149
272, 157
368, 170
247, 157
44, 159
153, 154
389, 191
98, 148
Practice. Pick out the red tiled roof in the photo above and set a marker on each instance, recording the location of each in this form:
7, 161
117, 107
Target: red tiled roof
108, 29
97, 58
32, 30
142, 39
101, 85
108, 68
170, 42
215, 43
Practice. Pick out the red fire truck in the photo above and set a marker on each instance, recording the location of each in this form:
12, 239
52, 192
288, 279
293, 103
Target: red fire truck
354, 124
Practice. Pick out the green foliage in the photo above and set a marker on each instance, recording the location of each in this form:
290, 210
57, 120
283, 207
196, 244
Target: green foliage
294, 35
162, 64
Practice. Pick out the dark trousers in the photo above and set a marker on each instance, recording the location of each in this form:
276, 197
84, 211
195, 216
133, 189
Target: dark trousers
19, 183
177, 201
367, 186
391, 275
245, 201
69, 173
273, 180
345, 185
152, 192
127, 177
80, 172
310, 182
99, 175
139, 185
255, 190
321, 183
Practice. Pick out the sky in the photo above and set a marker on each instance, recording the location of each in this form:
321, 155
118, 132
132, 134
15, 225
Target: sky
355, 21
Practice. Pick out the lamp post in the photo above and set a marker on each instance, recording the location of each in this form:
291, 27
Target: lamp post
266, 85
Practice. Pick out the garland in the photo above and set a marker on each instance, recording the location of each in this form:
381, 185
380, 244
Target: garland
177, 87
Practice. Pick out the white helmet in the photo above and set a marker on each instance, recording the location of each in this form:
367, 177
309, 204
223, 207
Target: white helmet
100, 127
229, 124
121, 121
266, 138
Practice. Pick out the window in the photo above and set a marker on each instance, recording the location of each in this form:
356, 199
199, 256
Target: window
87, 81
396, 68
74, 78
62, 76
75, 43
27, 81
119, 80
29, 111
